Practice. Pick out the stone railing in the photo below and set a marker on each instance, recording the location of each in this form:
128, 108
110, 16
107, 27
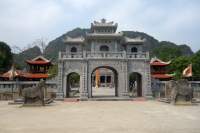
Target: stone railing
70, 55
10, 89
8, 86
159, 89
104, 55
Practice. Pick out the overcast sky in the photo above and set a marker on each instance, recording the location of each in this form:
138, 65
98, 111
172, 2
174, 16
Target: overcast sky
23, 21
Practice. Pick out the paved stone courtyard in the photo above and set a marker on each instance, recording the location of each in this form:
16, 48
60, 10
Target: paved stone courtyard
103, 91
100, 117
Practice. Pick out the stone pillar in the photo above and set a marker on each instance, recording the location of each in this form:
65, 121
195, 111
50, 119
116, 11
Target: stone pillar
112, 81
125, 79
148, 92
106, 80
89, 84
60, 92
116, 46
92, 46
84, 82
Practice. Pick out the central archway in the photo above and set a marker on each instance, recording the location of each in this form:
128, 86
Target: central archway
104, 82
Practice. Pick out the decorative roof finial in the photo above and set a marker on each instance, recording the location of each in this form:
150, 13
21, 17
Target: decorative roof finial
103, 20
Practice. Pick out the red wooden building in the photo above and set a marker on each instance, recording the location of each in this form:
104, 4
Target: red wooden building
159, 69
37, 69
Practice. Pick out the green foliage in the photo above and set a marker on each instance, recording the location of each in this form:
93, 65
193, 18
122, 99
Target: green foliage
53, 71
196, 63
19, 59
179, 64
5, 57
74, 79
167, 51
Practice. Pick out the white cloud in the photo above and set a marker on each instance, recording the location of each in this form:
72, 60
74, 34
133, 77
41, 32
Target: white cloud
26, 20
80, 4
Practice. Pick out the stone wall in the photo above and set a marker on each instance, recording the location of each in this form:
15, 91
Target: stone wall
10, 89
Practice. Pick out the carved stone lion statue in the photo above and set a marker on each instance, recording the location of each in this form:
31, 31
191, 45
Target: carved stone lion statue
34, 95
180, 91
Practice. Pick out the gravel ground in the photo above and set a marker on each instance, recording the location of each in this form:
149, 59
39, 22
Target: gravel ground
100, 117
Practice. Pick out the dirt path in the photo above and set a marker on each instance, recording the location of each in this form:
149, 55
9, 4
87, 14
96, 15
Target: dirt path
100, 117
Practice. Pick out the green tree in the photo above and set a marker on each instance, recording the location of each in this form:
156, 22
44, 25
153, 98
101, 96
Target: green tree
74, 79
179, 64
5, 57
196, 63
53, 71
167, 51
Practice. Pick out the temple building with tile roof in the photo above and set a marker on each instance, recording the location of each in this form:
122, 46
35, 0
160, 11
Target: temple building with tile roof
158, 69
37, 69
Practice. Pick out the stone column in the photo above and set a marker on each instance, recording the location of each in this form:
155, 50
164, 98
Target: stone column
89, 84
125, 79
92, 46
115, 46
60, 93
106, 80
148, 92
84, 81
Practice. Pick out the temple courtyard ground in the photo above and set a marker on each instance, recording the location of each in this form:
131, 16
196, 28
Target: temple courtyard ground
100, 117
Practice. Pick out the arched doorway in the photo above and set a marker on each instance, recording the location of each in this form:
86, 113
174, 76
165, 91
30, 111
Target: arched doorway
104, 82
135, 84
73, 85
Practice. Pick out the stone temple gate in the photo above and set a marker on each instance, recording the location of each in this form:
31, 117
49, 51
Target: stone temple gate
103, 47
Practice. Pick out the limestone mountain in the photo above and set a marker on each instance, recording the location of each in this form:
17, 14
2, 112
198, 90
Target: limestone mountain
160, 49
168, 50
151, 43
57, 45
19, 59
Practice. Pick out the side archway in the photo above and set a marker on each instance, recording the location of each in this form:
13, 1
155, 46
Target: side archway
73, 85
135, 85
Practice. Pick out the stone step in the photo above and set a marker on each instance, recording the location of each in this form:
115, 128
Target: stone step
106, 99
109, 99
71, 99
139, 99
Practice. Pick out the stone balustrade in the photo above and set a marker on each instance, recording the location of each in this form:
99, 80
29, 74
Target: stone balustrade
159, 89
104, 55
8, 86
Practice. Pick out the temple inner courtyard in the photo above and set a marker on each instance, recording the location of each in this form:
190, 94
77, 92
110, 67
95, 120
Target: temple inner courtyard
100, 117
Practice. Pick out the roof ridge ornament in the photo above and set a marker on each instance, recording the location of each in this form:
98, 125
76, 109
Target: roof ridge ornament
159, 60
103, 20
